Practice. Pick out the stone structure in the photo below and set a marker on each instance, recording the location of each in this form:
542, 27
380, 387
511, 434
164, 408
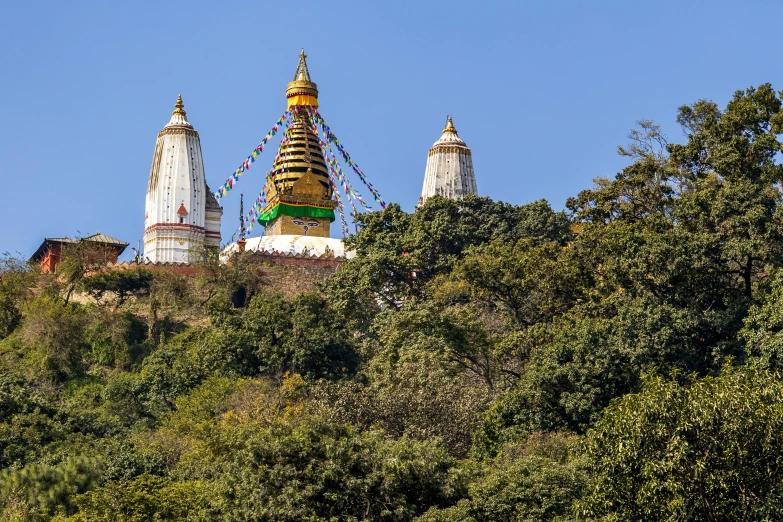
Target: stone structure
289, 274
181, 215
449, 171
98, 248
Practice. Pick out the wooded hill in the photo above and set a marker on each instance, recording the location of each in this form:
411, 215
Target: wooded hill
476, 361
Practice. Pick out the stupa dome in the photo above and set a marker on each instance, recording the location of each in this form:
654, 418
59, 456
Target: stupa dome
293, 244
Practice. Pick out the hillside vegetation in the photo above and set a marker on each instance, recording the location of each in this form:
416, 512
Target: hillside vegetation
476, 361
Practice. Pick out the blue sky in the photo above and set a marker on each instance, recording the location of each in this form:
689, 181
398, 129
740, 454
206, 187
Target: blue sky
543, 92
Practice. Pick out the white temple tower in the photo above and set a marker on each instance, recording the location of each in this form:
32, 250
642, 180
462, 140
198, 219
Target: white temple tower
449, 170
181, 215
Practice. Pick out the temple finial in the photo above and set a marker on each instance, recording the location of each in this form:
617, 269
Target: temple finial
179, 107
450, 126
302, 90
302, 73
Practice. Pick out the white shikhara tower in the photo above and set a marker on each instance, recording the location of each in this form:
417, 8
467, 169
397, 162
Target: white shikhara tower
449, 168
181, 214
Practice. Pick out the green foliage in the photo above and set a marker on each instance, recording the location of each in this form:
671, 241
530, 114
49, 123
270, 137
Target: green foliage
144, 498
538, 479
297, 336
314, 470
16, 282
418, 396
29, 421
399, 253
708, 451
763, 331
54, 332
121, 284
48, 489
116, 339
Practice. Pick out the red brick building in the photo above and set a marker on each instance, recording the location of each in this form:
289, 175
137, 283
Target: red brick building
100, 248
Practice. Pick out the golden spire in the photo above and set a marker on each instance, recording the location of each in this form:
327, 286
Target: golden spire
179, 107
302, 90
450, 127
301, 69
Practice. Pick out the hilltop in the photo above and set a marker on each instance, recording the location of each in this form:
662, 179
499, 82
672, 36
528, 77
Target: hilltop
475, 360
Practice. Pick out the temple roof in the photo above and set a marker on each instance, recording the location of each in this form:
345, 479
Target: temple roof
212, 203
101, 239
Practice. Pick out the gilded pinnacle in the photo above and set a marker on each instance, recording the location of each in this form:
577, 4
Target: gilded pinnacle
179, 107
450, 126
302, 90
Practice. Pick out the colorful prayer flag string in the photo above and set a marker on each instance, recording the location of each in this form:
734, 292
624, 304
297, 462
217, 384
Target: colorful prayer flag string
337, 177
260, 202
340, 208
337, 173
234, 178
347, 157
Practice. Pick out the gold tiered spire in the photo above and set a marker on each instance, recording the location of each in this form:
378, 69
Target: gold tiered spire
302, 154
302, 90
179, 108
300, 200
302, 72
450, 126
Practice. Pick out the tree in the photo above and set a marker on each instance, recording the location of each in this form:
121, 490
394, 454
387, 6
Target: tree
399, 253
418, 396
17, 280
297, 336
79, 259
53, 332
236, 279
315, 470
708, 451
146, 497
536, 479
763, 331
48, 489
123, 284
729, 166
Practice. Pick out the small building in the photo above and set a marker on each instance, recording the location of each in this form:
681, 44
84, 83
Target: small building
99, 247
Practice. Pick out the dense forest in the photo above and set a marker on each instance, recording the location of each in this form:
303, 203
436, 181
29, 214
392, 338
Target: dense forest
476, 360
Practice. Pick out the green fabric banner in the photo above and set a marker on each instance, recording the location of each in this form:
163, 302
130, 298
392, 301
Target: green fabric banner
296, 211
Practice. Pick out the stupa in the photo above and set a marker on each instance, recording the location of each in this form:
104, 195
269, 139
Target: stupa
300, 200
449, 171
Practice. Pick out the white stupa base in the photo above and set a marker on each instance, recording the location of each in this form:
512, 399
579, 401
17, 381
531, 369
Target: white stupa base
293, 245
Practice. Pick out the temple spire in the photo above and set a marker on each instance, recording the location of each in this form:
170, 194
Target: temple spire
180, 213
179, 107
302, 73
178, 115
450, 126
299, 201
302, 90
449, 171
